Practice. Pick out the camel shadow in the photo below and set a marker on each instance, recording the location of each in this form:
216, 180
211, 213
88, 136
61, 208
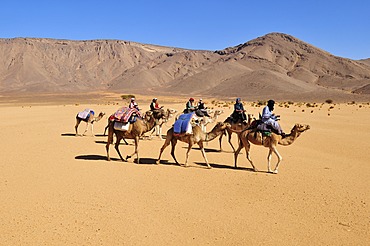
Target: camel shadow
146, 161
205, 149
68, 134
91, 157
105, 142
167, 163
222, 166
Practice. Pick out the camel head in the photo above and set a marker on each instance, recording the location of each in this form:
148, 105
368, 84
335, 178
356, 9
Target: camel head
219, 112
220, 127
300, 128
171, 111
148, 115
99, 117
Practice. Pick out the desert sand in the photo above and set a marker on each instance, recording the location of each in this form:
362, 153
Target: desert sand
58, 189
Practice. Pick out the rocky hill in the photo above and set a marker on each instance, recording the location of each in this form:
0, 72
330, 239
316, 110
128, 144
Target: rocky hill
275, 65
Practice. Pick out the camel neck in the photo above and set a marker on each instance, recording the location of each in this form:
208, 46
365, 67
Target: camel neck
288, 140
210, 136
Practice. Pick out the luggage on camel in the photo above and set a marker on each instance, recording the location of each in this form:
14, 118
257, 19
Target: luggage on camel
123, 117
84, 115
183, 125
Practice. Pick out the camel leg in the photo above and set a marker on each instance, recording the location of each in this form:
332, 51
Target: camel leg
87, 126
76, 126
203, 153
124, 140
92, 129
230, 133
236, 153
166, 143
116, 146
173, 143
160, 132
187, 154
136, 150
105, 129
109, 141
247, 151
220, 141
280, 158
269, 161
107, 149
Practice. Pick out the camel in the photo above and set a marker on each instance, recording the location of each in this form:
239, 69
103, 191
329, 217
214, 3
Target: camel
206, 120
135, 131
197, 137
252, 136
236, 126
90, 120
162, 118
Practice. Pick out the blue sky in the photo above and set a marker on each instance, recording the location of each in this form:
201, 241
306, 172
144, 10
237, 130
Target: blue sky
339, 27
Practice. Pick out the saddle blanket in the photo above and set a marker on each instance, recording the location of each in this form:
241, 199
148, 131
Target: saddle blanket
120, 126
124, 114
182, 124
85, 114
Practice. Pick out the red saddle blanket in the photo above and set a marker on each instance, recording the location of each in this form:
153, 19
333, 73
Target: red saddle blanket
124, 114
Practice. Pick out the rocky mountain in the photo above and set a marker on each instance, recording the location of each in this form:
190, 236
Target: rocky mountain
275, 65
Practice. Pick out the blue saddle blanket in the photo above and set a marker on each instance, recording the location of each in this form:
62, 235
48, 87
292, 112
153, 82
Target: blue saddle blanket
182, 124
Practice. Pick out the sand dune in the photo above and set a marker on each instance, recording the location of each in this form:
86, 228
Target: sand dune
58, 189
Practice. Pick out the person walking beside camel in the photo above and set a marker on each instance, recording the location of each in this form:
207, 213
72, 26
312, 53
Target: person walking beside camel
270, 118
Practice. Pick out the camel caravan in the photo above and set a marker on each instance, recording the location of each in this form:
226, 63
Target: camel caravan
190, 127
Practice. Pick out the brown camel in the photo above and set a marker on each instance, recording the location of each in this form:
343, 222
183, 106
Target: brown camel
237, 127
89, 121
197, 137
163, 116
252, 136
206, 120
135, 131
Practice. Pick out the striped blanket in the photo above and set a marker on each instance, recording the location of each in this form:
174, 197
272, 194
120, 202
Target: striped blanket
124, 114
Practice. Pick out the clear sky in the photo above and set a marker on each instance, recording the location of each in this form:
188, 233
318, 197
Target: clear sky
339, 27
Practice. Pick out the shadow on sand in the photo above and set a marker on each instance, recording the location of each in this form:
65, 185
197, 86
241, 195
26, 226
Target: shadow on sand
68, 134
91, 157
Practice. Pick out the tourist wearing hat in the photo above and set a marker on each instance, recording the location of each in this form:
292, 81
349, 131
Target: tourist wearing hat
190, 107
133, 104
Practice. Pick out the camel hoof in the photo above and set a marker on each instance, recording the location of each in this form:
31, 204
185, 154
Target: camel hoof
108, 159
275, 172
209, 167
269, 171
255, 170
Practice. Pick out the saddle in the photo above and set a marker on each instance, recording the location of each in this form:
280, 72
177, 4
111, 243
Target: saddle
259, 126
125, 115
184, 124
84, 115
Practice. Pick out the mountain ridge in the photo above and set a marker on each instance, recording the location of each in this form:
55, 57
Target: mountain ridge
275, 64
